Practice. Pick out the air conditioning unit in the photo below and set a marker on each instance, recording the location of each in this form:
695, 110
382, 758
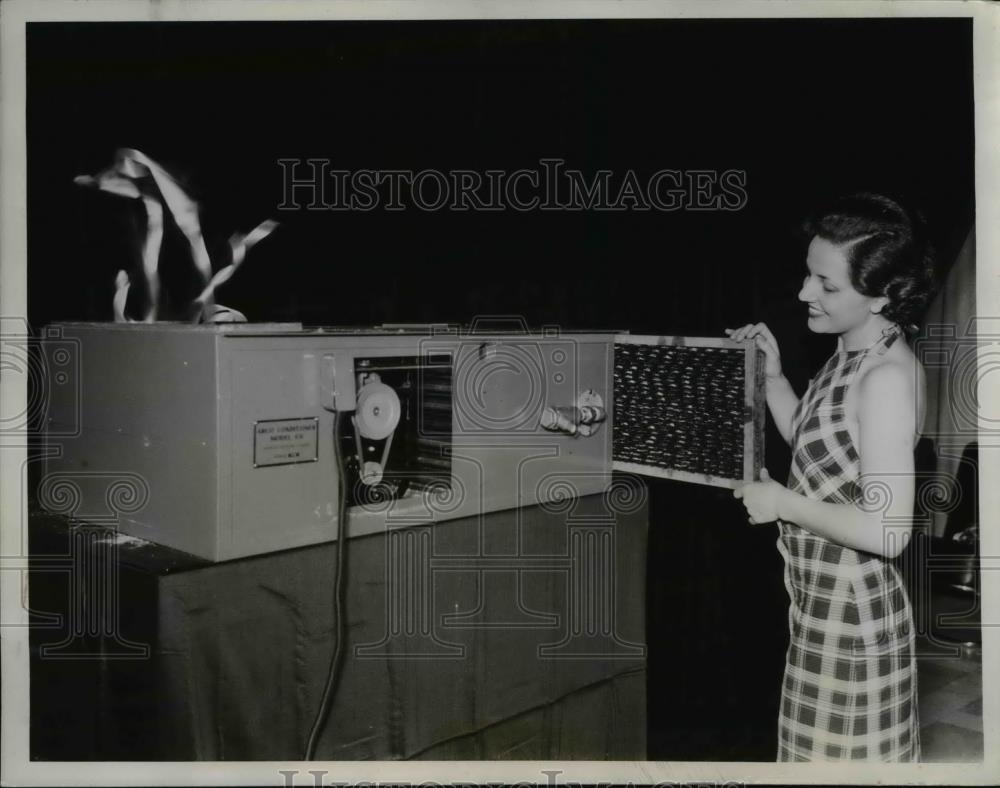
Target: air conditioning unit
223, 440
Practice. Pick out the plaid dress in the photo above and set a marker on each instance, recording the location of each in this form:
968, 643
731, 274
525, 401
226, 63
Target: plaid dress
850, 684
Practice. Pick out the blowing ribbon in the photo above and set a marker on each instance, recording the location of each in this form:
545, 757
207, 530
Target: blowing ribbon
136, 176
182, 208
122, 285
240, 245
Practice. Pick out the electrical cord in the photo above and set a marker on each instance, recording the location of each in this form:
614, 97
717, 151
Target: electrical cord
332, 679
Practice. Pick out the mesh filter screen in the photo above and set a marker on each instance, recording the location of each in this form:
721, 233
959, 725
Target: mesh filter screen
681, 408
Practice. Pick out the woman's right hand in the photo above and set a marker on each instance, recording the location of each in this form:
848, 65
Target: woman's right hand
765, 341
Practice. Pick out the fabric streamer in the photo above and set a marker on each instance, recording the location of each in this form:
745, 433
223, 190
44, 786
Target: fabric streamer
223, 314
136, 176
240, 245
151, 254
122, 285
182, 208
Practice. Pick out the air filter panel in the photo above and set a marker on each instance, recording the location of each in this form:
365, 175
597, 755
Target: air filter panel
689, 408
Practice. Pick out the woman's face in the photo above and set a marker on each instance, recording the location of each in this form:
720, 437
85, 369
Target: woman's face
834, 305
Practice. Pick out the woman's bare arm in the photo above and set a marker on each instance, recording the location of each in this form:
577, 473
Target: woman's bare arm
880, 522
782, 402
781, 398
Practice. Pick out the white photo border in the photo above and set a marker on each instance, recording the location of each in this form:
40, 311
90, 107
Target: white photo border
16, 767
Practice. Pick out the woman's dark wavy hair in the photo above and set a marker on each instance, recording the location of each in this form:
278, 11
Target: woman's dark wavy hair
887, 249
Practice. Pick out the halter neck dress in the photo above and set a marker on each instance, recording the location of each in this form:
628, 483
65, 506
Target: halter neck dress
850, 684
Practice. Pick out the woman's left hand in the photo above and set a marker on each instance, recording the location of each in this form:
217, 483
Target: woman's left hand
761, 499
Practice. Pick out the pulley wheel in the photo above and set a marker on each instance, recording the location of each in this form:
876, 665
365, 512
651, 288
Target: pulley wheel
378, 411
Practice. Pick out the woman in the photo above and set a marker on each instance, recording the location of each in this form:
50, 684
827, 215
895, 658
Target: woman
850, 683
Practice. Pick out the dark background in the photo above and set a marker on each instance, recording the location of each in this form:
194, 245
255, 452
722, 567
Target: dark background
807, 108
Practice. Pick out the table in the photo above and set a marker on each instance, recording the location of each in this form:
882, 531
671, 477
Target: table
515, 635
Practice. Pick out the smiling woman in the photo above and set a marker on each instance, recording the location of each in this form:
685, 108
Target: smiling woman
866, 255
849, 689
834, 305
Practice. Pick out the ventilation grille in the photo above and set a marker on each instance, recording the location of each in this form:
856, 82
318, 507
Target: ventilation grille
685, 409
